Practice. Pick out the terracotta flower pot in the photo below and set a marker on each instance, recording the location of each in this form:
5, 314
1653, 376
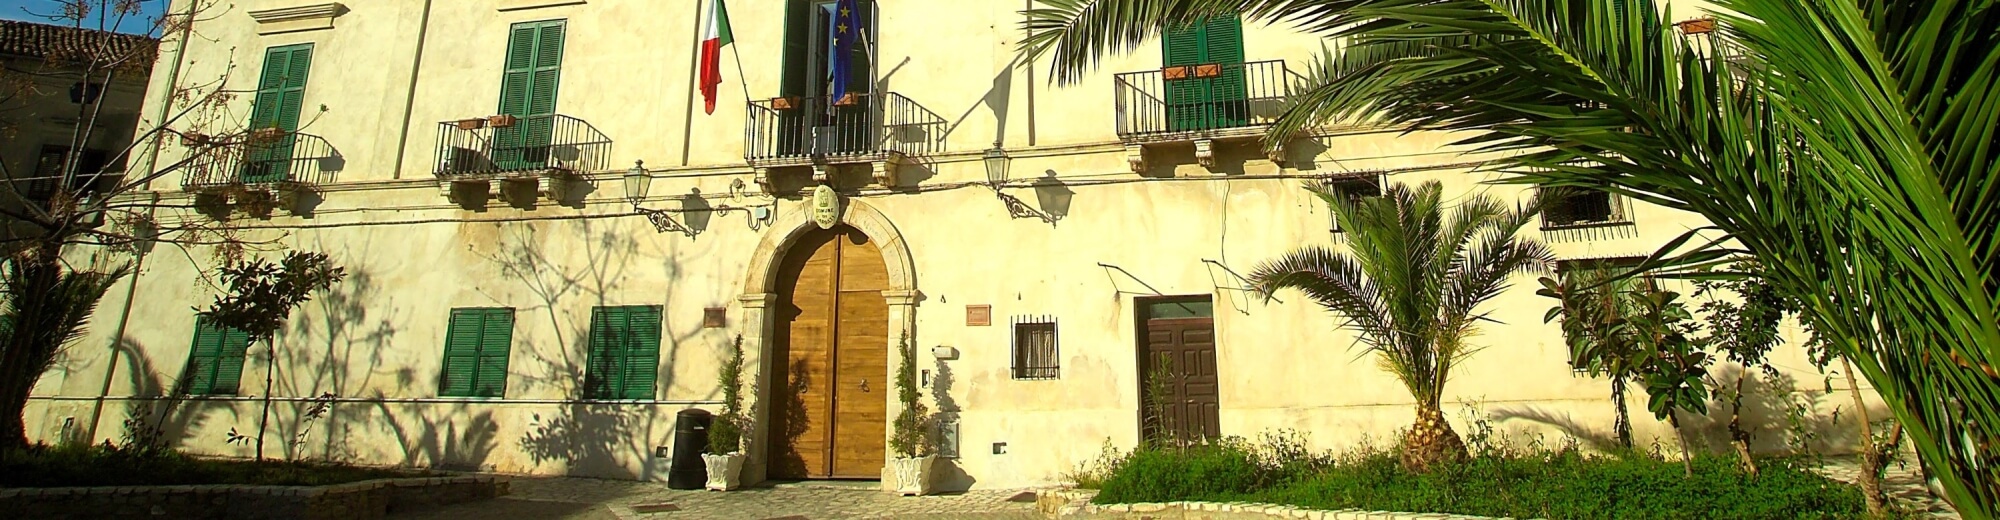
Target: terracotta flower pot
471, 124
502, 121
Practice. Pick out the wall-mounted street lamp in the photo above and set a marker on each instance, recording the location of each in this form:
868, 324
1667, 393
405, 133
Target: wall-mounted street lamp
638, 181
997, 163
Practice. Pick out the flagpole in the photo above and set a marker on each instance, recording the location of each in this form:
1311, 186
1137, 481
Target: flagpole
694, 68
740, 77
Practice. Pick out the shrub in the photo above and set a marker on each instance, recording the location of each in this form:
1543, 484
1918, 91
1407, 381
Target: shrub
1557, 484
106, 465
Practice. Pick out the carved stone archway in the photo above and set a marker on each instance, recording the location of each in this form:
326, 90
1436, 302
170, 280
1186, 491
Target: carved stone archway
760, 287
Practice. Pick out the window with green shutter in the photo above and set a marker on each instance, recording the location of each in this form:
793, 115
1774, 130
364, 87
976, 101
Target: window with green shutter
281, 96
624, 357
215, 365
1218, 101
475, 353
528, 92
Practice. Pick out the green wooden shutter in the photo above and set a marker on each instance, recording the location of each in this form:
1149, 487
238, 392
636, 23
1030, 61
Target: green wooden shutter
1207, 103
642, 354
601, 376
203, 356
528, 92
229, 371
1184, 97
461, 353
281, 95
496, 339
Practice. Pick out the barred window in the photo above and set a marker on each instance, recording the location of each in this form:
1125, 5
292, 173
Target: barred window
1577, 207
1353, 189
1036, 355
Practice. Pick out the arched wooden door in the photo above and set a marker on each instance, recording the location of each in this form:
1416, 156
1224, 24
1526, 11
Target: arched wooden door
832, 353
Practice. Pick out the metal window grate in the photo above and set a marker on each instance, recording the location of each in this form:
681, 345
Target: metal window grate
1585, 208
1036, 354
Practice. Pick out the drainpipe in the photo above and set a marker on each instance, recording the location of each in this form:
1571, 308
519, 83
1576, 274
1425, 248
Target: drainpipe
410, 102
124, 317
167, 96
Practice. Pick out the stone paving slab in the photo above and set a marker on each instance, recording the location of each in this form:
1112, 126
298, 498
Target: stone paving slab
590, 499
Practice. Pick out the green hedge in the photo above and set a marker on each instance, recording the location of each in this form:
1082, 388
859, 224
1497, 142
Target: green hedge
1561, 485
105, 466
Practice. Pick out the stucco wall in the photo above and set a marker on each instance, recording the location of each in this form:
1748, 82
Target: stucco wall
375, 342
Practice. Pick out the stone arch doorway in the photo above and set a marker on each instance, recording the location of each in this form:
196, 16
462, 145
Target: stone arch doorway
856, 277
829, 351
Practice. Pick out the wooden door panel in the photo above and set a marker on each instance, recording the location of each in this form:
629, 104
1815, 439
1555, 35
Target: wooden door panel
802, 440
1190, 401
860, 412
833, 417
861, 407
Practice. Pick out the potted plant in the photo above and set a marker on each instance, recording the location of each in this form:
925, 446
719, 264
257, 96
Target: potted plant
724, 456
913, 440
471, 124
502, 120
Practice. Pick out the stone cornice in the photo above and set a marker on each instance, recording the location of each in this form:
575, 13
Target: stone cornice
516, 5
297, 18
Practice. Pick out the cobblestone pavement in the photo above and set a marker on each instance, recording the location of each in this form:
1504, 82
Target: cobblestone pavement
590, 499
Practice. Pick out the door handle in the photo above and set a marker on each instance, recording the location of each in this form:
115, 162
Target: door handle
864, 385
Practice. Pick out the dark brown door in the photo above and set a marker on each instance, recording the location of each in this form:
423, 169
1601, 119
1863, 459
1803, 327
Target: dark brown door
1178, 383
833, 338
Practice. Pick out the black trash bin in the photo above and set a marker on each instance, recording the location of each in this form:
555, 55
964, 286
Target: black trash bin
690, 441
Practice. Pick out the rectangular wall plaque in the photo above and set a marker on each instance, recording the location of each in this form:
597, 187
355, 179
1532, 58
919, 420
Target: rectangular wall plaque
978, 315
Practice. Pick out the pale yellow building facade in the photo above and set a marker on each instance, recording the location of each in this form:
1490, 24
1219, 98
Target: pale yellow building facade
1120, 219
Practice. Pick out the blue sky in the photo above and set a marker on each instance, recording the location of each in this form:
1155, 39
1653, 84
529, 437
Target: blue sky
24, 9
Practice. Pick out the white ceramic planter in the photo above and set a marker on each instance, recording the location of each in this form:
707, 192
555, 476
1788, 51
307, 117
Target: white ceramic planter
725, 472
913, 476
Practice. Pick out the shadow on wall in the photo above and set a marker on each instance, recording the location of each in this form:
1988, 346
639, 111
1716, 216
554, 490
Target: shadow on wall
950, 477
1776, 413
596, 439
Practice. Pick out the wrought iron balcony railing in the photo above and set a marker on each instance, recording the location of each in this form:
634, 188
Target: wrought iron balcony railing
865, 127
264, 158
501, 146
1179, 100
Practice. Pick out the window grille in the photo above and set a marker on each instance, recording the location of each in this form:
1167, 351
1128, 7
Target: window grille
1354, 189
1584, 208
1036, 353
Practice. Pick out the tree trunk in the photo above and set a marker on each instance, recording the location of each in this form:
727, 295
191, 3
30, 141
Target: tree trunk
25, 356
264, 417
1431, 441
1621, 425
1687, 454
1870, 476
14, 403
1737, 437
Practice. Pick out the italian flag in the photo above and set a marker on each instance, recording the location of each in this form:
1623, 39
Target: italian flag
713, 40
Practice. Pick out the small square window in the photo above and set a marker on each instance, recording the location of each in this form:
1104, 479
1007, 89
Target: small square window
1583, 208
1036, 353
1351, 188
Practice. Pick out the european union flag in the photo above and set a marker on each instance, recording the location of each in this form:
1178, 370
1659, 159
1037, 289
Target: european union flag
846, 35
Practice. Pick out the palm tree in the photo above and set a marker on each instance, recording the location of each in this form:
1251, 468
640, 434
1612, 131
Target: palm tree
1845, 145
36, 325
1411, 284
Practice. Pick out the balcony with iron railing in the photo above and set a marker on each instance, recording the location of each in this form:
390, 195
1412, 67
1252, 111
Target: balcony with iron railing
880, 130
1201, 105
546, 150
263, 159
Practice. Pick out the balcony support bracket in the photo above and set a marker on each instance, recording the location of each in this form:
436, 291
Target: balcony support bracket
1204, 153
764, 180
1135, 155
885, 171
822, 173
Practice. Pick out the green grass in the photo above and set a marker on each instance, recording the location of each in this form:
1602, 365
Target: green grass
99, 466
1562, 485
